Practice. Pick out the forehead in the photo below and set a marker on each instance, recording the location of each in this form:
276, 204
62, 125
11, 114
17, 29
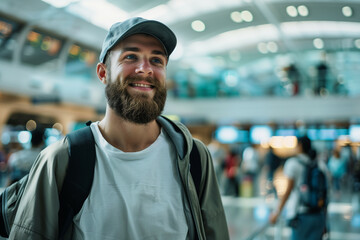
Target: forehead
141, 40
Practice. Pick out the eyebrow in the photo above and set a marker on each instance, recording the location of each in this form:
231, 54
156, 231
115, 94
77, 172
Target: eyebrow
135, 49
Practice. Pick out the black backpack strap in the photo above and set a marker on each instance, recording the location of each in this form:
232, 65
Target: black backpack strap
79, 176
195, 167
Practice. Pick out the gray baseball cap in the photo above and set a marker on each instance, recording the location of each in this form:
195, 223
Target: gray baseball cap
121, 30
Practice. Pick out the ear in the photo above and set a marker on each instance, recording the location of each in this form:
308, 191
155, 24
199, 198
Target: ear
101, 72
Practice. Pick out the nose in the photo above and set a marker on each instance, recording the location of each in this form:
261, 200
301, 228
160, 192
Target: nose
144, 67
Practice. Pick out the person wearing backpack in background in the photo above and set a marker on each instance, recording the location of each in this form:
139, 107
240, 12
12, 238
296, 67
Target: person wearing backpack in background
20, 162
307, 222
142, 187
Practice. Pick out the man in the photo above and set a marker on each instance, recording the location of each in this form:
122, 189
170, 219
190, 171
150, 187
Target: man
142, 188
305, 224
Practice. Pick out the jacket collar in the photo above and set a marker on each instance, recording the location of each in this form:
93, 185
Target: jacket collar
176, 135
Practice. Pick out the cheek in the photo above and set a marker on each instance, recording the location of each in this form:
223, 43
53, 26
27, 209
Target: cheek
119, 73
161, 76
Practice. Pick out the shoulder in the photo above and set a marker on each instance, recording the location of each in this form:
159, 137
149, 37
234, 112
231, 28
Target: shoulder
292, 167
53, 159
172, 125
201, 146
293, 161
53, 156
182, 128
56, 150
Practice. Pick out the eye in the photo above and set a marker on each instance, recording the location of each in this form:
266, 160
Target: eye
130, 57
157, 60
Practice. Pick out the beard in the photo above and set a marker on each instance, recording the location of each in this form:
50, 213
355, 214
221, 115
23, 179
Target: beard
138, 108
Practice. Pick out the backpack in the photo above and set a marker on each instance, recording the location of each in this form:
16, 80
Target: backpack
76, 187
313, 188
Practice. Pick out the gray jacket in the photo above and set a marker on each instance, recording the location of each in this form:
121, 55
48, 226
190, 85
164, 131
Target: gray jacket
37, 212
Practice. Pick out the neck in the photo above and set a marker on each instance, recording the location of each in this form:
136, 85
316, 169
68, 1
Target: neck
127, 136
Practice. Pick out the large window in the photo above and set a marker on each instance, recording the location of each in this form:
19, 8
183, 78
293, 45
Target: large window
8, 33
40, 47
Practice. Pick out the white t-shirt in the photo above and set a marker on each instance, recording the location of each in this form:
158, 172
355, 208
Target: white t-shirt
134, 195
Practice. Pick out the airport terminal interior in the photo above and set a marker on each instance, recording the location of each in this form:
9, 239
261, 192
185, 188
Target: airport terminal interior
247, 77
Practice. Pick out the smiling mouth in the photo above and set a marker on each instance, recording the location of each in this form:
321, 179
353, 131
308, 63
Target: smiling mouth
141, 85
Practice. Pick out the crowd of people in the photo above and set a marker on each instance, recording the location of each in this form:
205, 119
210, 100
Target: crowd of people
236, 163
243, 170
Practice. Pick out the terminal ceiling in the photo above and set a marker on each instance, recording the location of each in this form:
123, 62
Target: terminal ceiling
239, 28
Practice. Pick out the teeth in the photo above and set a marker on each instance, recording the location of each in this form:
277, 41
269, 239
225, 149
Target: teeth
141, 85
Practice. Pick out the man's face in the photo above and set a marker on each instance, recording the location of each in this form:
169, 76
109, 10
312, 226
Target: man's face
136, 79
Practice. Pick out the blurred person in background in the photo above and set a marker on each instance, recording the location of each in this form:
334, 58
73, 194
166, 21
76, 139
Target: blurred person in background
9, 149
142, 185
2, 154
231, 173
250, 166
337, 168
356, 170
305, 225
3, 166
250, 162
322, 75
20, 162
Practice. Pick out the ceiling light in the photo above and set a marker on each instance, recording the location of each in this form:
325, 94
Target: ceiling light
318, 43
236, 17
347, 11
262, 48
303, 10
357, 43
247, 16
272, 47
198, 26
30, 125
58, 126
291, 11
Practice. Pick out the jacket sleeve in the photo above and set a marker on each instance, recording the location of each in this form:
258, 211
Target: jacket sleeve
212, 209
37, 214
